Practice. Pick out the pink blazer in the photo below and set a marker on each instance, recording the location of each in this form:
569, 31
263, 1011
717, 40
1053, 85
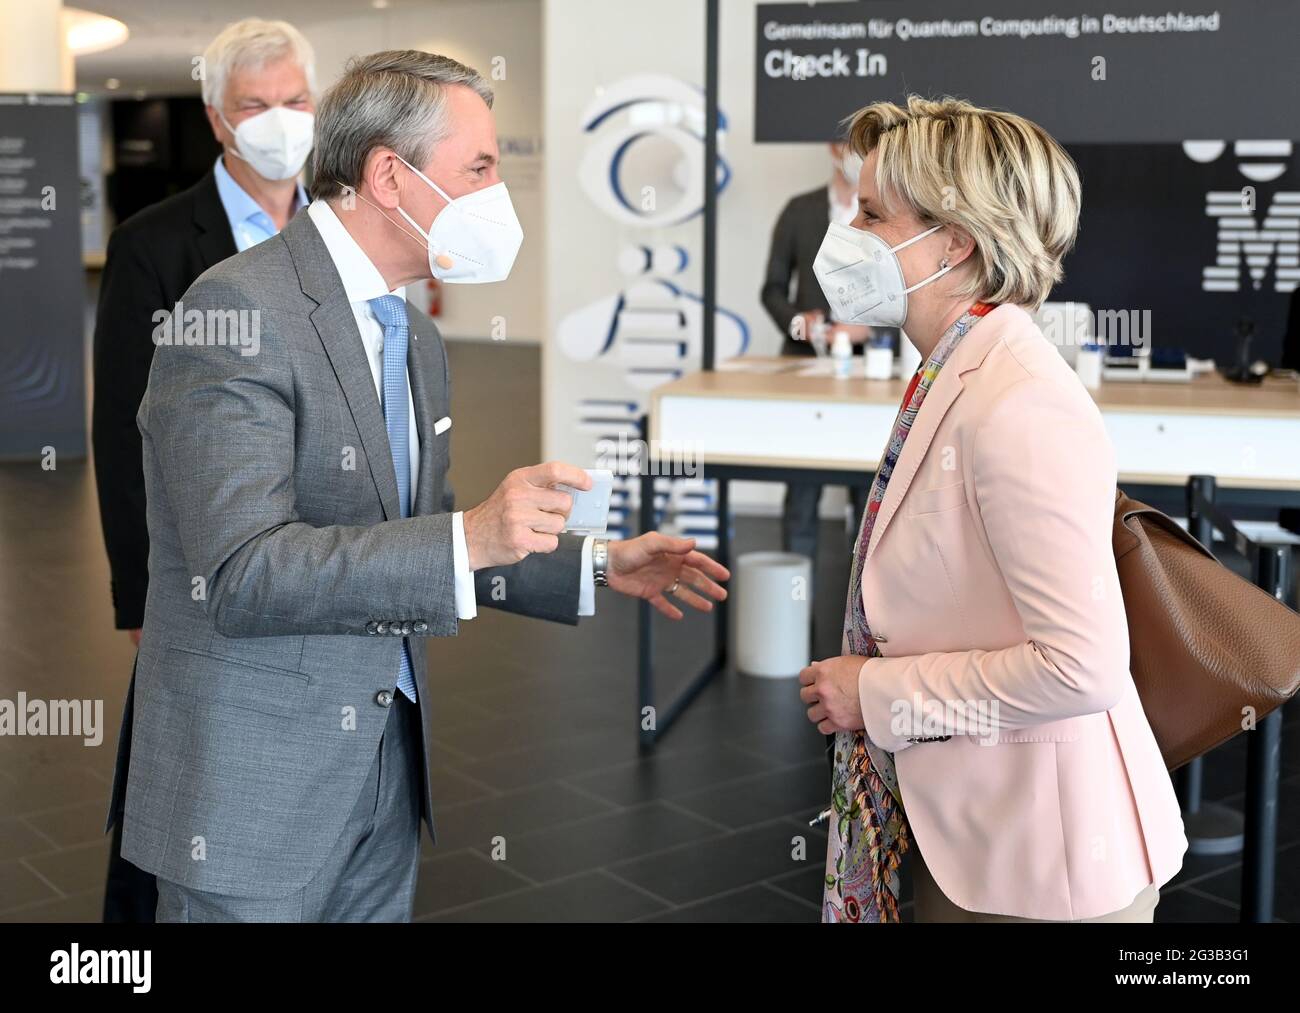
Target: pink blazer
990, 583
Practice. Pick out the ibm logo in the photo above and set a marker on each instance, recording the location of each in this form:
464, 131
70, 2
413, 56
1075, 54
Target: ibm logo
1245, 242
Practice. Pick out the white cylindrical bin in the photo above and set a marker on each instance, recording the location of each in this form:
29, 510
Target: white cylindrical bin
773, 610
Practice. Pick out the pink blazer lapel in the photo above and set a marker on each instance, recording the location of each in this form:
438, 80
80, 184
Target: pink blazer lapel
968, 355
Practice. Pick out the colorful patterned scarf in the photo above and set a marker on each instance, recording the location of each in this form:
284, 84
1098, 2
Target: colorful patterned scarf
868, 829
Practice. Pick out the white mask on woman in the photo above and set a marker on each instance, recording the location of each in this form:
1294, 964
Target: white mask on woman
862, 277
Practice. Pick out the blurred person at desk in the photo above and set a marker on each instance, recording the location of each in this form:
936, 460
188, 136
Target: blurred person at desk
985, 715
796, 304
258, 83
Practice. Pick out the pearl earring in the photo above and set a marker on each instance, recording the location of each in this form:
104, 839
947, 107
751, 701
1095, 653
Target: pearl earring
943, 264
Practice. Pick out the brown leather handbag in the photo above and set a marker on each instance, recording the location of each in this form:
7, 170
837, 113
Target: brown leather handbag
1207, 649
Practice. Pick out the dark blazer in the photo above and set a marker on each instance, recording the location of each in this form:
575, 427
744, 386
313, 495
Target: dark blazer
796, 239
153, 257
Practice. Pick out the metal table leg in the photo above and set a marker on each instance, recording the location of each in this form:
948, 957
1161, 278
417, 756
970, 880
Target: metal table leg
653, 720
1263, 768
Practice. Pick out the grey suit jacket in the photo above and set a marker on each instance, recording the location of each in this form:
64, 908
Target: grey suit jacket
279, 563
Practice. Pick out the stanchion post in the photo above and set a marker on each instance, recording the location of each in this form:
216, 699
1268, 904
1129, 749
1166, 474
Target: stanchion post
1263, 767
645, 685
1190, 776
1211, 828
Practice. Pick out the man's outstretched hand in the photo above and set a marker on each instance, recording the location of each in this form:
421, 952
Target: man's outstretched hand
525, 514
653, 563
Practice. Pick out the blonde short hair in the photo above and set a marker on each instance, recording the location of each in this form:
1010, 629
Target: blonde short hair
252, 43
1001, 178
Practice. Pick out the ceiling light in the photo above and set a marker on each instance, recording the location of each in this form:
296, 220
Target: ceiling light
88, 32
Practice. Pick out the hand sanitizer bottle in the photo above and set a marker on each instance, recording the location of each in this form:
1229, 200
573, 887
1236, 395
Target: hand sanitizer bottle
842, 354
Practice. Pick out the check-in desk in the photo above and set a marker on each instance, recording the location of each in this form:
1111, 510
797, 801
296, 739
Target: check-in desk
1163, 432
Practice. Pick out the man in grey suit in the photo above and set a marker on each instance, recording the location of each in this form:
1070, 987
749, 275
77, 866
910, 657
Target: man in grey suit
303, 540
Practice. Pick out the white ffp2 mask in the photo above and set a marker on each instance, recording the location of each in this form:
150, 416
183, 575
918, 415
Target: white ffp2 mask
862, 278
275, 143
475, 238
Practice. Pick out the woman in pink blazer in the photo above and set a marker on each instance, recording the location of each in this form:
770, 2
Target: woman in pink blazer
993, 728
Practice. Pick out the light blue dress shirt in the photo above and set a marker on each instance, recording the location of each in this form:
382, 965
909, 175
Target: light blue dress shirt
248, 222
361, 283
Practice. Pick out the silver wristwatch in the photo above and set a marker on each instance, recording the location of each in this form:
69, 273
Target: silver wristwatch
600, 561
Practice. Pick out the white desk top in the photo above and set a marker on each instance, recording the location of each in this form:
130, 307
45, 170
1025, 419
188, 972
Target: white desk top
769, 416
776, 377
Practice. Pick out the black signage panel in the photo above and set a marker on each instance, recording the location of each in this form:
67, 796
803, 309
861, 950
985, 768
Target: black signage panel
1116, 71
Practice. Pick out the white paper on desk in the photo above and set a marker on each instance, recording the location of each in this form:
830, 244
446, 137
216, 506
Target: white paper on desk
818, 367
743, 365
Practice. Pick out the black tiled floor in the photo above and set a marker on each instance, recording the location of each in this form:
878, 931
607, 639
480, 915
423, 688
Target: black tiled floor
1226, 884
481, 739
601, 841
539, 808
460, 878
721, 863
592, 896
1189, 905
564, 758
535, 728
671, 775
800, 789
749, 904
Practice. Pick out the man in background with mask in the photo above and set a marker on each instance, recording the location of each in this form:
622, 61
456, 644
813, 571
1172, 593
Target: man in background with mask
258, 86
305, 544
796, 304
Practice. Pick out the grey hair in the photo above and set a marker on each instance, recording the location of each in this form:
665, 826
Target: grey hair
252, 43
395, 99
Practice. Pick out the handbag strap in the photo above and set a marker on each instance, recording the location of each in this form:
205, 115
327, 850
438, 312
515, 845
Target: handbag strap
1128, 510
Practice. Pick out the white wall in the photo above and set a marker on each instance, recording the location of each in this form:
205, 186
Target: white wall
589, 43
504, 35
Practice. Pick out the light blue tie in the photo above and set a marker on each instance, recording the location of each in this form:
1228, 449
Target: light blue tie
390, 311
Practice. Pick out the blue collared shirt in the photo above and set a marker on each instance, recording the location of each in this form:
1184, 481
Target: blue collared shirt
248, 222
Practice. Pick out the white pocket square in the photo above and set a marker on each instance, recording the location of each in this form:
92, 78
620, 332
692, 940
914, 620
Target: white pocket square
442, 425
